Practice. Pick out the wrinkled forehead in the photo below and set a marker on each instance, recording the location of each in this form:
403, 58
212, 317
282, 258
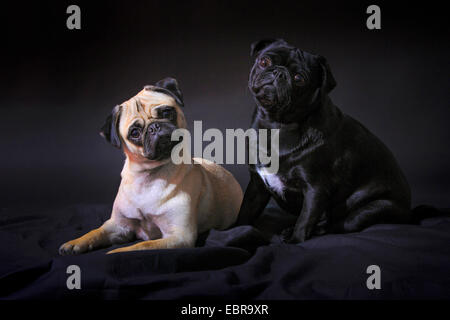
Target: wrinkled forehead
145, 104
283, 52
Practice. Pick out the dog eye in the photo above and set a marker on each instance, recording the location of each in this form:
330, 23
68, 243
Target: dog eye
135, 133
299, 79
166, 114
265, 62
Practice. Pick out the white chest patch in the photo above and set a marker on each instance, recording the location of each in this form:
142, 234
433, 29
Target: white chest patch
271, 180
142, 200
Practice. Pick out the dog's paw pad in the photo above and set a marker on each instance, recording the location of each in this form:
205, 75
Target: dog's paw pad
71, 248
65, 249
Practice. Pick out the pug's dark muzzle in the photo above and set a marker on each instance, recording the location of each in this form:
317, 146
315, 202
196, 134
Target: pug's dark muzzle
157, 140
272, 87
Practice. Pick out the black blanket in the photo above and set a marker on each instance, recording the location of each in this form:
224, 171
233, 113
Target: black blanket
243, 262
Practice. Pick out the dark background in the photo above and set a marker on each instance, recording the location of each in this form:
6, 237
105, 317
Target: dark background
58, 85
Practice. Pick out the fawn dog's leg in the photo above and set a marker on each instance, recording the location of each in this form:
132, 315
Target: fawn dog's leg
108, 234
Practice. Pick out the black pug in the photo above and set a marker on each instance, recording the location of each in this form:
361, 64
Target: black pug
333, 172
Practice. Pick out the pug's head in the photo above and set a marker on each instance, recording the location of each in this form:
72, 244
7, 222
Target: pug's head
143, 125
286, 82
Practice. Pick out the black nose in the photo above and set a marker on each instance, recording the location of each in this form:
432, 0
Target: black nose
154, 128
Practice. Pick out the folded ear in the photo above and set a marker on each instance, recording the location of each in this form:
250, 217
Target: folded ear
110, 130
257, 46
328, 81
171, 86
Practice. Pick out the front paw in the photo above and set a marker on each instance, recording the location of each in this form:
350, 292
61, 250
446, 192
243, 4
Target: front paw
74, 247
290, 237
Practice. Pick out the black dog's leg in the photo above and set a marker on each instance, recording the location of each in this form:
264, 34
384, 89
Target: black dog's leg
255, 200
377, 211
313, 208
